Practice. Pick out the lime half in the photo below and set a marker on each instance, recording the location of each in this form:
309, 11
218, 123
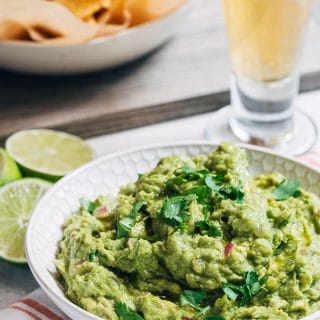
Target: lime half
47, 153
9, 170
17, 202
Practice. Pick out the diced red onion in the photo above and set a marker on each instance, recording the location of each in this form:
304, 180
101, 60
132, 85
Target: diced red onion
101, 212
228, 248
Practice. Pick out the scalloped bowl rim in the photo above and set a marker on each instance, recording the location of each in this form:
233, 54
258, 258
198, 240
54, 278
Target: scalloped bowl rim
64, 300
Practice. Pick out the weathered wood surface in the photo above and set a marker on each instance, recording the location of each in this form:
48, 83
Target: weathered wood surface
159, 87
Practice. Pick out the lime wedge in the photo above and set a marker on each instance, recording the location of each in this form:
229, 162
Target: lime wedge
17, 202
9, 170
48, 154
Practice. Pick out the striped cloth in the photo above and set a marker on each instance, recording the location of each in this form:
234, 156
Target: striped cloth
37, 306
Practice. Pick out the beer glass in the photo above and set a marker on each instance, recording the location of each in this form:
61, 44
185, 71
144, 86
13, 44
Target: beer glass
265, 41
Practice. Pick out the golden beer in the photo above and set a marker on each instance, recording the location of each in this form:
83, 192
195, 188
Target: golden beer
265, 36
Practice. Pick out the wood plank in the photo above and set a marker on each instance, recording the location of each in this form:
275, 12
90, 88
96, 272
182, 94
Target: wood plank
123, 120
158, 87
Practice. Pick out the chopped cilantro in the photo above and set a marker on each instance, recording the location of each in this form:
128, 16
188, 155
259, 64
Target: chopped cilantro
280, 248
87, 205
213, 182
230, 192
224, 190
232, 291
251, 286
186, 173
136, 208
92, 256
125, 313
287, 189
284, 222
191, 173
174, 211
203, 194
210, 227
125, 225
193, 299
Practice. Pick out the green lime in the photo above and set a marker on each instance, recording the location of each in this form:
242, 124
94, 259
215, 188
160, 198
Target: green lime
48, 154
17, 202
9, 170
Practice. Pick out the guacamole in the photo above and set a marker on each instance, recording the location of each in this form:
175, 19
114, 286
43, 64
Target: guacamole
196, 238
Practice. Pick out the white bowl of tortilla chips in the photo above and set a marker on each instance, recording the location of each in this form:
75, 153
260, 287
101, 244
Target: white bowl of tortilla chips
69, 37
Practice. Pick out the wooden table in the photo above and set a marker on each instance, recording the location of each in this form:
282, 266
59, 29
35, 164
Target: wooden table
187, 76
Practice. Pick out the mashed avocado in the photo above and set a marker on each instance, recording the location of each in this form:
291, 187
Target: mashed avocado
196, 238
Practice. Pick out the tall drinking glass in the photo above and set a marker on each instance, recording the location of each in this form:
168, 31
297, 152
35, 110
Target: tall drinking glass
265, 42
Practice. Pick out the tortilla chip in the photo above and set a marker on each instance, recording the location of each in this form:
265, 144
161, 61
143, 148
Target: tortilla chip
118, 12
42, 21
13, 31
127, 13
76, 21
88, 9
119, 18
121, 12
142, 11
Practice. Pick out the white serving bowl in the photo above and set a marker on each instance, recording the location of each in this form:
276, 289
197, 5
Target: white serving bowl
106, 175
101, 53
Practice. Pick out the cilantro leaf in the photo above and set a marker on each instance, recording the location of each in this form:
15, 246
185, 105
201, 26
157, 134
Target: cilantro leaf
211, 183
210, 227
251, 277
186, 173
136, 208
281, 247
203, 194
230, 192
125, 313
92, 256
125, 225
251, 286
226, 190
172, 208
192, 298
263, 280
87, 205
286, 189
174, 211
246, 296
232, 291
202, 225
